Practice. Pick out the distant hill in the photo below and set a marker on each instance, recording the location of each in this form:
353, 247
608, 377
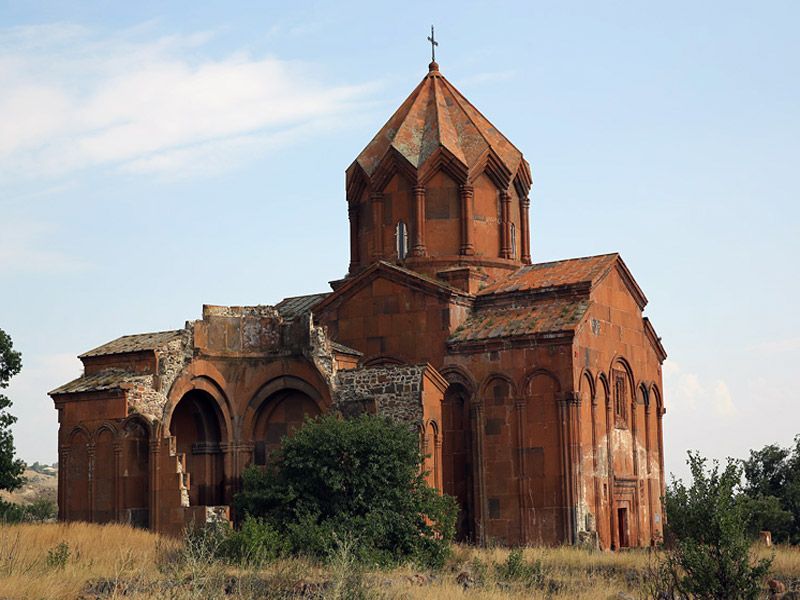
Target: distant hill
43, 482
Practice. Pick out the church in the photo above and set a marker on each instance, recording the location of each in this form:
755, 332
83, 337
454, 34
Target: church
535, 388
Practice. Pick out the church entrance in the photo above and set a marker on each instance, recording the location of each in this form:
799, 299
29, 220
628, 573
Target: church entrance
622, 521
197, 426
456, 457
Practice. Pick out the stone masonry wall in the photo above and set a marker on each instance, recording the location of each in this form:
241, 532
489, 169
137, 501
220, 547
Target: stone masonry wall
394, 391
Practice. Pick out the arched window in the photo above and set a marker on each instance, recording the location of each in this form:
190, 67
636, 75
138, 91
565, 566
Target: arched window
513, 241
401, 240
620, 398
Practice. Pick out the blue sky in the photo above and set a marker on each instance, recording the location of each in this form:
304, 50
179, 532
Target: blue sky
158, 156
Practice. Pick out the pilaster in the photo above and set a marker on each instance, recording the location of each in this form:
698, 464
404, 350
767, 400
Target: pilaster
418, 247
467, 198
376, 199
525, 233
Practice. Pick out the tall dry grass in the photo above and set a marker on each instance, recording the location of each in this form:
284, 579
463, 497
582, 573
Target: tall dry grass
31, 565
59, 561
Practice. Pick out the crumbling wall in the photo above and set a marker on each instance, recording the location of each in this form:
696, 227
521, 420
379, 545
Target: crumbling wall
394, 391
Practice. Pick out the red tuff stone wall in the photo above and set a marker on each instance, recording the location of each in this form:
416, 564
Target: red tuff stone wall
618, 377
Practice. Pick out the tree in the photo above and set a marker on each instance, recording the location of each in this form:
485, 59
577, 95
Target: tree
772, 477
11, 469
352, 480
708, 554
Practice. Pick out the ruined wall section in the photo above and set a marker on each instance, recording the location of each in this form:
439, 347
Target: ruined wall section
394, 391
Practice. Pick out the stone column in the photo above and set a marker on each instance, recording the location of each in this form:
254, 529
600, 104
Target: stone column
595, 478
377, 225
437, 461
612, 507
467, 198
90, 451
524, 483
648, 470
525, 231
479, 482
660, 432
155, 482
352, 213
505, 224
418, 247
117, 480
570, 457
637, 499
63, 466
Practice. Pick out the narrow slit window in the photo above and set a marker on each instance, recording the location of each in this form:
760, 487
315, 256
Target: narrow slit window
401, 240
513, 241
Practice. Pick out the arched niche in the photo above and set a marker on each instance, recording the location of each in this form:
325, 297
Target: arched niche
279, 414
198, 427
501, 458
104, 475
542, 445
135, 472
77, 480
457, 467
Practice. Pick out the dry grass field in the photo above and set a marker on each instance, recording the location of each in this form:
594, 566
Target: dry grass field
67, 561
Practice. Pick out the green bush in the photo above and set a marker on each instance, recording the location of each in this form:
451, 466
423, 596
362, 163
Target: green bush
255, 543
516, 570
708, 553
40, 509
358, 479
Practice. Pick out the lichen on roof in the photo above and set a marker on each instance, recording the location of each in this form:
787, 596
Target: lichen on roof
110, 379
571, 271
139, 342
545, 316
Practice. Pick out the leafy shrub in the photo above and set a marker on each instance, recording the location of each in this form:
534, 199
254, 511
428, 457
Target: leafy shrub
58, 556
358, 479
11, 512
516, 570
708, 555
255, 543
41, 509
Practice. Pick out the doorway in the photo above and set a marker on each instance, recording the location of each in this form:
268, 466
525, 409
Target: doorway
622, 521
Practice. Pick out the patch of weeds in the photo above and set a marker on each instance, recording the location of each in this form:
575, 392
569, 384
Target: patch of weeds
58, 556
517, 570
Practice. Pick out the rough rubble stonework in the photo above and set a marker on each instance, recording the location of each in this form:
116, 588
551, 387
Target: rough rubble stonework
536, 388
393, 391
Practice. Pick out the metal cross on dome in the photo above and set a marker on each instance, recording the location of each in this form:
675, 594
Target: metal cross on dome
434, 43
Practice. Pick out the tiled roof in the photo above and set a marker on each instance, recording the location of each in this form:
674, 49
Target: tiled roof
554, 274
289, 308
135, 343
342, 349
436, 115
112, 379
545, 316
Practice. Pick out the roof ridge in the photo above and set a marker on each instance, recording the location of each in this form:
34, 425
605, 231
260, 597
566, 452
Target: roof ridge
457, 94
445, 122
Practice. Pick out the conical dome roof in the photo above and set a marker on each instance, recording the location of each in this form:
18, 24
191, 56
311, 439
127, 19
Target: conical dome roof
437, 122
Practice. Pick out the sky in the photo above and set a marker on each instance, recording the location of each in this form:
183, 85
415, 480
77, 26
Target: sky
158, 156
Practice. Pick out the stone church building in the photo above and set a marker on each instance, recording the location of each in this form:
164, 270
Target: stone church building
535, 387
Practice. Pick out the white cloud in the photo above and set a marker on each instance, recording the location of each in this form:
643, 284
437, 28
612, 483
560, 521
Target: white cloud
687, 393
23, 247
73, 99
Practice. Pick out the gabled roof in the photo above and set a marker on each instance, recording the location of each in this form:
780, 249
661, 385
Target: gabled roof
395, 273
290, 308
582, 272
549, 315
139, 342
437, 117
111, 379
